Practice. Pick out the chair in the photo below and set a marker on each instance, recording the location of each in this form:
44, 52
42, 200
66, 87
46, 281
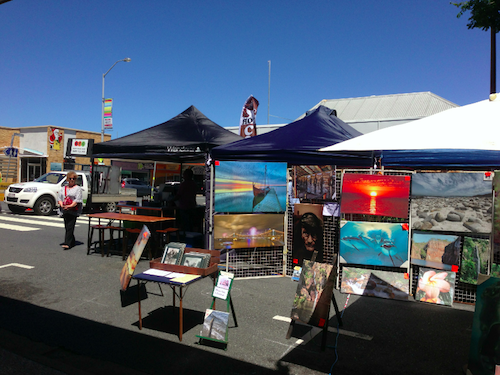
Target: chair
121, 237
101, 229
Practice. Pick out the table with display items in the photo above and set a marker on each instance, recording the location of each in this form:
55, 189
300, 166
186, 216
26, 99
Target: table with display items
184, 277
136, 209
153, 222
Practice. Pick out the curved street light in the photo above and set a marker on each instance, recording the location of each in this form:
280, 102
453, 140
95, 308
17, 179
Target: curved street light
127, 59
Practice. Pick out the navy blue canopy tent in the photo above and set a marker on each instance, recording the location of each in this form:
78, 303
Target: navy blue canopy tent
298, 142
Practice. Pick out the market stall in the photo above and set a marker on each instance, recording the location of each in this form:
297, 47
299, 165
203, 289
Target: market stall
186, 138
450, 160
254, 221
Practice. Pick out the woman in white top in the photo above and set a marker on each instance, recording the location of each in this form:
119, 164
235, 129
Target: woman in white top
70, 207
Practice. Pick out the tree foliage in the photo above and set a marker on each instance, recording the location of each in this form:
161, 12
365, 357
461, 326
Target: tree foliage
485, 14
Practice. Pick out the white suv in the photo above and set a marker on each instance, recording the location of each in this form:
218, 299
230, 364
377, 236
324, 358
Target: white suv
41, 194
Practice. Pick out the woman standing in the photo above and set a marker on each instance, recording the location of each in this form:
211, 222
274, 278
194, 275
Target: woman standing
70, 207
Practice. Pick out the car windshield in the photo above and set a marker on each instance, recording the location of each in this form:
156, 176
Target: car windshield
50, 178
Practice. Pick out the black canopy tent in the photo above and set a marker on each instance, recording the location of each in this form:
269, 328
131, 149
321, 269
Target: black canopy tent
187, 137
298, 142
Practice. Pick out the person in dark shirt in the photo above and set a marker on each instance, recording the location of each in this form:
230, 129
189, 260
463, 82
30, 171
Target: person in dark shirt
186, 201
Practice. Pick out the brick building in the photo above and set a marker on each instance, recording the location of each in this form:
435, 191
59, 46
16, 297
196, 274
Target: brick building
40, 149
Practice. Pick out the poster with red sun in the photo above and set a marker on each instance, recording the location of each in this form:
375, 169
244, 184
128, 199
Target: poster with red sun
248, 231
375, 195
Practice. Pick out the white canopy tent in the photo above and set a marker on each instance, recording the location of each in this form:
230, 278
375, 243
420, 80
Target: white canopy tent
471, 127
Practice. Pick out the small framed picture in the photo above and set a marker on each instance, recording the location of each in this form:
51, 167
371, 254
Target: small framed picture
170, 255
192, 260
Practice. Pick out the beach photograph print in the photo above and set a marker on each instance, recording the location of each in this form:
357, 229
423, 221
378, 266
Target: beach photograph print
375, 195
315, 182
311, 304
248, 230
307, 232
453, 202
215, 325
375, 244
435, 250
375, 283
435, 286
475, 259
250, 187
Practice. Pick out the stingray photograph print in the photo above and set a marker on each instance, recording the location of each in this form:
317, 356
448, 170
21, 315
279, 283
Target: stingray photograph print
376, 244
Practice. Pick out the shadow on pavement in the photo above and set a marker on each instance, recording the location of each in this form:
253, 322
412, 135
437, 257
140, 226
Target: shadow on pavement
80, 346
403, 338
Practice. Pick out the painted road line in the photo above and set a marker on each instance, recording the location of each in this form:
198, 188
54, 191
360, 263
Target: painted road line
84, 220
17, 227
17, 265
330, 329
32, 222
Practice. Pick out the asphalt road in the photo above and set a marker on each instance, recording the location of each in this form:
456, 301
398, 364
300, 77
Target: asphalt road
66, 315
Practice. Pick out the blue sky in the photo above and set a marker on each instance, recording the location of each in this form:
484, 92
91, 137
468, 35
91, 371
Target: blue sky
213, 55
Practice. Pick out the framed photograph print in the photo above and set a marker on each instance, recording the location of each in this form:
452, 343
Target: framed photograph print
375, 195
250, 187
452, 202
374, 244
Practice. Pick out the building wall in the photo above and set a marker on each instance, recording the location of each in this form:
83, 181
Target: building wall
37, 139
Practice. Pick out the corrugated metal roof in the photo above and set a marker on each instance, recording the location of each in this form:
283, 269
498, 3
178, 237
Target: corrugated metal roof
409, 106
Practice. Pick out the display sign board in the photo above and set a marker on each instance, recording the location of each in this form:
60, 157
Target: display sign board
79, 147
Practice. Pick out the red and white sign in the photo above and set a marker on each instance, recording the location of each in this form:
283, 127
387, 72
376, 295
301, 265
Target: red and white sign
248, 127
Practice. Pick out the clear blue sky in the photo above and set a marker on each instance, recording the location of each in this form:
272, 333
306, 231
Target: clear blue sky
214, 54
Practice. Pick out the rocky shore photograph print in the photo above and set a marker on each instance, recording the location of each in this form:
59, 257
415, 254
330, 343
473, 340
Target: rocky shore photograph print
453, 202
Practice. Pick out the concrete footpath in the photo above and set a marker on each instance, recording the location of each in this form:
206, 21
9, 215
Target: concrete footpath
379, 337
66, 315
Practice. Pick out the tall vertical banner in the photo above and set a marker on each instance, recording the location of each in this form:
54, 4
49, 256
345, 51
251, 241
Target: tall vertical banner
108, 114
248, 127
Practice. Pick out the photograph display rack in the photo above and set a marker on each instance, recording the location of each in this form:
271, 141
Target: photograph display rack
222, 291
213, 264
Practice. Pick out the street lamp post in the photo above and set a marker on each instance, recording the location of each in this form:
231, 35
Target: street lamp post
102, 113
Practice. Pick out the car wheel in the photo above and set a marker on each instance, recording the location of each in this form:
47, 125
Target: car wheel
109, 207
16, 209
44, 206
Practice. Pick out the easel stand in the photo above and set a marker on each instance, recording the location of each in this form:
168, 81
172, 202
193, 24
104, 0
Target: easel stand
225, 295
325, 327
